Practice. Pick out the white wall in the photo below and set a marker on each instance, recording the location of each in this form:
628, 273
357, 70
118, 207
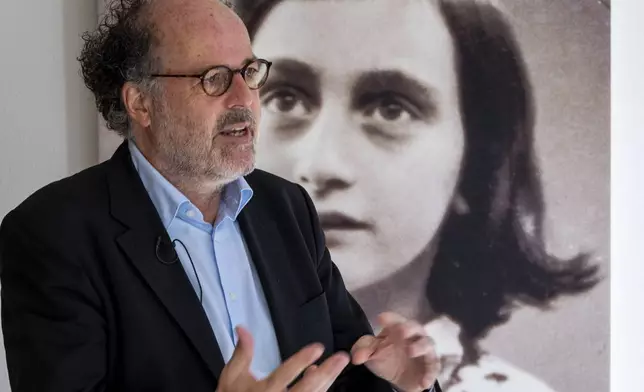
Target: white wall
48, 118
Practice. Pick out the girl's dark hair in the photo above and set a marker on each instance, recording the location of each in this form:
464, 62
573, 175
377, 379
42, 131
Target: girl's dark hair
493, 256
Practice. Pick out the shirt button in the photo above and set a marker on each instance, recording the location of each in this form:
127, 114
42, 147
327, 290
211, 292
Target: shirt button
233, 296
190, 213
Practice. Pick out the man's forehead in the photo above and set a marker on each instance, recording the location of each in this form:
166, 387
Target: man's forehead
186, 6
192, 15
205, 31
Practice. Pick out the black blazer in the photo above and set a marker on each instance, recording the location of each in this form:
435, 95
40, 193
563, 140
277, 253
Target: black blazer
86, 305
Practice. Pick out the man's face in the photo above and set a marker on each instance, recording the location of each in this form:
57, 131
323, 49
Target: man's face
191, 133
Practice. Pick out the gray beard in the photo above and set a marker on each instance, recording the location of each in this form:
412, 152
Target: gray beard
204, 168
184, 159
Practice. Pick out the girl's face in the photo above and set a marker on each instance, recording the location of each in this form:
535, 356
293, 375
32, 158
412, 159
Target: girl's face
362, 110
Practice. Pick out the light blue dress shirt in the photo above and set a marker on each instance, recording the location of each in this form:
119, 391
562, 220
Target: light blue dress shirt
231, 291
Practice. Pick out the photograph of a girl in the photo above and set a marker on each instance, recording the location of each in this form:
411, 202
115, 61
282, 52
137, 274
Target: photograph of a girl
411, 124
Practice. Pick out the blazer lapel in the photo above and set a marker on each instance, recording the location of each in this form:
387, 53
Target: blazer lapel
268, 253
131, 205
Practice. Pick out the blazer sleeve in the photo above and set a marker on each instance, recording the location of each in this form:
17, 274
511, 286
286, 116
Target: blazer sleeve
347, 317
54, 333
348, 320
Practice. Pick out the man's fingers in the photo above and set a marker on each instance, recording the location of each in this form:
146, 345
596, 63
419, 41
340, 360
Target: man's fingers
310, 369
407, 334
433, 366
340, 362
363, 349
242, 356
389, 318
292, 367
419, 347
321, 379
401, 332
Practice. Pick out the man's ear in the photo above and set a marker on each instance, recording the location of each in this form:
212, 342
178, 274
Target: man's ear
137, 104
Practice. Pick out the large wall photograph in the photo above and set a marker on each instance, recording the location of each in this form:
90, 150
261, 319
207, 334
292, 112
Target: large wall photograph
458, 153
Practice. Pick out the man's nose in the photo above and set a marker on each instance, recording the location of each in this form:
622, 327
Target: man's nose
239, 94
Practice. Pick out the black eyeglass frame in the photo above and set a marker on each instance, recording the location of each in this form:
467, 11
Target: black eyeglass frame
231, 71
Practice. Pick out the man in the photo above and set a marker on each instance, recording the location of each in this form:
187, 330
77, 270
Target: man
175, 266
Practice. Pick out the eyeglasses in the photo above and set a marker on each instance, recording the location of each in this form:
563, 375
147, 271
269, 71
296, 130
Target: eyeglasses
216, 80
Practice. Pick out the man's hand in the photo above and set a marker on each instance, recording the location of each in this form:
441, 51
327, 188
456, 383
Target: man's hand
236, 376
402, 354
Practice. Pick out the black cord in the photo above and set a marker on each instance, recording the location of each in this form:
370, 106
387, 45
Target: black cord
160, 249
193, 268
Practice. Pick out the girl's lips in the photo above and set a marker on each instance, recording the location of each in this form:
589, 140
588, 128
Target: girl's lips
340, 221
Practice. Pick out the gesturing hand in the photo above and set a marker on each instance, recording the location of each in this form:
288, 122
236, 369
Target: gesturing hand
402, 354
236, 376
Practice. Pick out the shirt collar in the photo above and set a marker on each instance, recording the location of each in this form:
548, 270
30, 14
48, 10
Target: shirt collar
168, 200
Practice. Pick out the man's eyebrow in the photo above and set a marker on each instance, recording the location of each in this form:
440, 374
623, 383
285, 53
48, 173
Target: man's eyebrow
249, 60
